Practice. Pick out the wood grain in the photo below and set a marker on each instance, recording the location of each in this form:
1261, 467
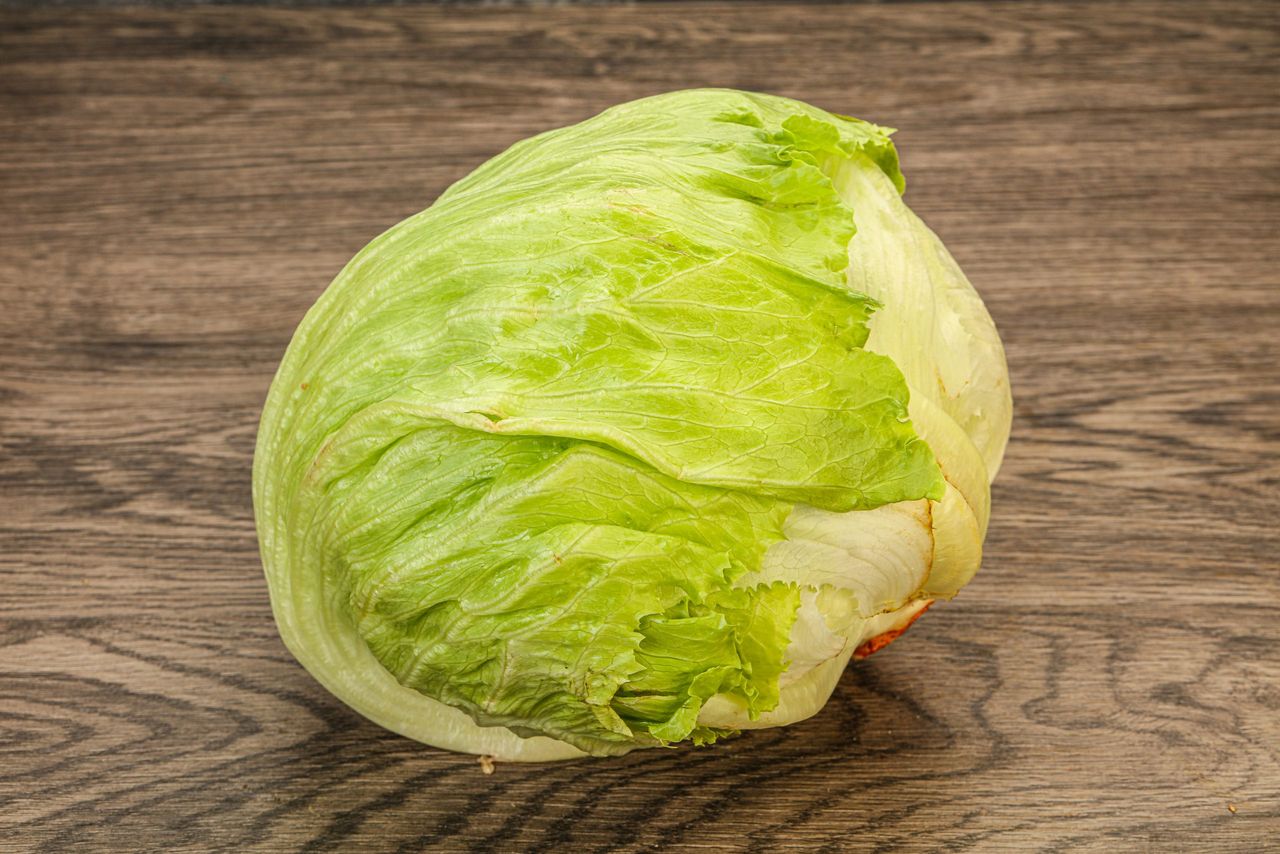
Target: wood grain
177, 186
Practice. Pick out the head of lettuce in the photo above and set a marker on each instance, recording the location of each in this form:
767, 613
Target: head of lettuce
633, 438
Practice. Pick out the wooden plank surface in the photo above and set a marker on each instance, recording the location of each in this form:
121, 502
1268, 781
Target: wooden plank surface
177, 186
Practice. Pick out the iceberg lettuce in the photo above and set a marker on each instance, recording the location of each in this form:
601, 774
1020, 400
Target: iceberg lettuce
634, 437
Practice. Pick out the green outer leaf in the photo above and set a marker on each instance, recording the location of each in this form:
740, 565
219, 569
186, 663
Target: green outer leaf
530, 562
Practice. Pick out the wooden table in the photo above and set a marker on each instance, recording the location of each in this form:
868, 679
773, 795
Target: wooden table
176, 187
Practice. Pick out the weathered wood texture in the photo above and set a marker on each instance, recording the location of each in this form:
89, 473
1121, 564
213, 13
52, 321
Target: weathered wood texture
176, 187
